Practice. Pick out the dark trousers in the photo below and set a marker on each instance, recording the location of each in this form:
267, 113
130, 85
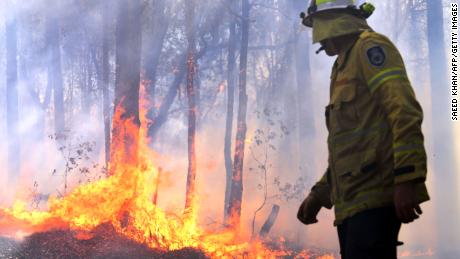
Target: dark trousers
370, 234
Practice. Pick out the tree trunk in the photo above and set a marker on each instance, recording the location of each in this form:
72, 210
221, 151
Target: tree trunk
305, 120
229, 119
105, 80
55, 73
415, 34
236, 192
125, 124
87, 85
162, 115
191, 96
304, 104
154, 45
12, 107
173, 90
443, 160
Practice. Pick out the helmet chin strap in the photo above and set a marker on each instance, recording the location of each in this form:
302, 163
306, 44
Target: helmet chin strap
320, 49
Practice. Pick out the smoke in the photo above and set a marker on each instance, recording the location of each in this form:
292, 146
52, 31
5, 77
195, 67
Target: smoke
271, 87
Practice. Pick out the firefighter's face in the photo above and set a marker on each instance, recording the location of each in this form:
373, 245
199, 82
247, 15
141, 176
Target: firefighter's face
330, 47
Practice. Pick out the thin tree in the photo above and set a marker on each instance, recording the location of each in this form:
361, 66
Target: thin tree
236, 192
443, 160
85, 100
55, 72
181, 61
105, 79
12, 107
305, 119
416, 32
231, 62
191, 96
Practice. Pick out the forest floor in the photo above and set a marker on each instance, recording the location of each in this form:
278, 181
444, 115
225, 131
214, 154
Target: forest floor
105, 243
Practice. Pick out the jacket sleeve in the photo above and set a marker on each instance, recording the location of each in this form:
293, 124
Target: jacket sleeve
385, 74
322, 191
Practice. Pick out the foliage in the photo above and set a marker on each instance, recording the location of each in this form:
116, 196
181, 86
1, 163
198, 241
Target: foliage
77, 155
263, 150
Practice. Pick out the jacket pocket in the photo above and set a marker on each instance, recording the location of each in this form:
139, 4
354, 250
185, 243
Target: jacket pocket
342, 109
357, 172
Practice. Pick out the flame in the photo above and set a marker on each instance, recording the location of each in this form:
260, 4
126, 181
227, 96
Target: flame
124, 200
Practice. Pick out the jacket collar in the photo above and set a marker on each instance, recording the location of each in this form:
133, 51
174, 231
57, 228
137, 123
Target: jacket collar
343, 55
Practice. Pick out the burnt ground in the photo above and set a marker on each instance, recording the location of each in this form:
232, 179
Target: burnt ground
105, 243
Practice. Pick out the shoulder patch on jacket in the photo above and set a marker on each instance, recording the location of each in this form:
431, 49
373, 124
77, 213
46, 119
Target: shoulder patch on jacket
376, 56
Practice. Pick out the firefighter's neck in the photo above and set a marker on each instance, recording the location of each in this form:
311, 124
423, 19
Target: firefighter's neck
339, 45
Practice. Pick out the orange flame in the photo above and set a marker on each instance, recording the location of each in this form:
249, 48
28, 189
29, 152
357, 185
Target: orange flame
124, 200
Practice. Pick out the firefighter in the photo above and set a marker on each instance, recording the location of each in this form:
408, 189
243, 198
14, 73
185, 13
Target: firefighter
376, 172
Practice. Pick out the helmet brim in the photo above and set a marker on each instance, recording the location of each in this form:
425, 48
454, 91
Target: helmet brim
327, 26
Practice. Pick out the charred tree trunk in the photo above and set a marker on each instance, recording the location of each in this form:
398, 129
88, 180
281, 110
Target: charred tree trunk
191, 96
229, 119
443, 160
236, 192
125, 124
105, 81
12, 107
55, 73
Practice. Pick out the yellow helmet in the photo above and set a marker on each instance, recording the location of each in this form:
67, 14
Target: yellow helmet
333, 18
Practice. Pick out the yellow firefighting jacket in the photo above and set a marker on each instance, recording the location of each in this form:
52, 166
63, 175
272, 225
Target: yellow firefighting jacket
374, 122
